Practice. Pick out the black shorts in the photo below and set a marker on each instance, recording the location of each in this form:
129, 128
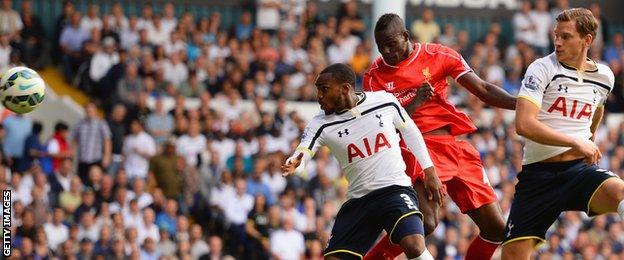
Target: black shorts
360, 221
544, 190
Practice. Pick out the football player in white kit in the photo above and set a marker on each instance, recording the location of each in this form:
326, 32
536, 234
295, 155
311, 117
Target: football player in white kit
360, 131
559, 108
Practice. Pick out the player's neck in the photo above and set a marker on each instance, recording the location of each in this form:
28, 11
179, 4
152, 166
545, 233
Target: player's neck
581, 63
350, 101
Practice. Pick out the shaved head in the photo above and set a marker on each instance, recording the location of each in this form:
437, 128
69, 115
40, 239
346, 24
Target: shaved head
393, 40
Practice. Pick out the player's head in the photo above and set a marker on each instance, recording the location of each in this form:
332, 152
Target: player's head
393, 40
575, 30
334, 85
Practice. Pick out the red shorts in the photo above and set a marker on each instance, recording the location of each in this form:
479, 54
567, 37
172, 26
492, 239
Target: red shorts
458, 165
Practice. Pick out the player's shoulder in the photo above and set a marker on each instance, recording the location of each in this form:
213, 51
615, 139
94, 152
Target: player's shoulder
604, 69
545, 65
374, 66
439, 49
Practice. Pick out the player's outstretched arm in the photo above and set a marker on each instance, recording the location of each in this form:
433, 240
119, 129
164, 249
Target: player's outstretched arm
291, 164
489, 93
530, 127
596, 121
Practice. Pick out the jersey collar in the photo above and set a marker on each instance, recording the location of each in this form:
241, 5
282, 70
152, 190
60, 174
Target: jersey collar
361, 97
576, 69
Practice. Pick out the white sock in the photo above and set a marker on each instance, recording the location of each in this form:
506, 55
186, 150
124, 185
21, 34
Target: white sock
424, 256
620, 209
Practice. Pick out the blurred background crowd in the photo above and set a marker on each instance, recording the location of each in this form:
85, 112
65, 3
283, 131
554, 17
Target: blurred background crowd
152, 183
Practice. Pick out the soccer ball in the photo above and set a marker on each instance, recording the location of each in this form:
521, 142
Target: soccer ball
21, 90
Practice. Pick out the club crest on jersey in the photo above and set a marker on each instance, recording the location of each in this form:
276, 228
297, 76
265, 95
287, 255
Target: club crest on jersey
389, 85
531, 83
426, 74
378, 116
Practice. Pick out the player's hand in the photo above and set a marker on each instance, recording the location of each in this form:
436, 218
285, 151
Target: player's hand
423, 94
433, 186
588, 149
289, 167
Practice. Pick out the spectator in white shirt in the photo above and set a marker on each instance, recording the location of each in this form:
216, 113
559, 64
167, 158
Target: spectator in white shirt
192, 144
147, 228
118, 20
133, 217
138, 148
87, 228
175, 44
175, 71
56, 231
138, 192
199, 247
92, 19
129, 35
237, 209
287, 243
145, 21
543, 25
102, 61
169, 20
156, 33
524, 26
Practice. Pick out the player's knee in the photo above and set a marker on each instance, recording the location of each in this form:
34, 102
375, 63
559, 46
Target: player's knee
430, 225
413, 245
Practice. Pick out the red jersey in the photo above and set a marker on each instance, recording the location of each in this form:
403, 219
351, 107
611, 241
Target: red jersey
428, 62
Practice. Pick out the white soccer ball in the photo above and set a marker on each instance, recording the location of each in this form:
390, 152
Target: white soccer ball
21, 89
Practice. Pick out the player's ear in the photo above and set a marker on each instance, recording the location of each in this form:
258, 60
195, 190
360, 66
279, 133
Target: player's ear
406, 35
588, 39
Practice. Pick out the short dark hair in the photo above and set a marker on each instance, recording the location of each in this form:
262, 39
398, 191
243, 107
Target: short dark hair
60, 126
37, 127
341, 73
387, 20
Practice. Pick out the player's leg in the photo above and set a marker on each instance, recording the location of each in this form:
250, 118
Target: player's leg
403, 222
355, 229
609, 198
536, 205
384, 249
520, 249
597, 190
471, 191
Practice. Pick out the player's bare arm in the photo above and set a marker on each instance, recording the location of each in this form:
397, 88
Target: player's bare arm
433, 186
487, 92
528, 126
596, 121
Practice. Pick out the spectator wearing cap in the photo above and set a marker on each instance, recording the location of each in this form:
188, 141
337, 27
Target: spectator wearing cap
138, 148
165, 167
92, 138
58, 146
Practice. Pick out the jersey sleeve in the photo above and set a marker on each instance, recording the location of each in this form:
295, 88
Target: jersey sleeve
411, 134
534, 83
454, 63
311, 140
603, 99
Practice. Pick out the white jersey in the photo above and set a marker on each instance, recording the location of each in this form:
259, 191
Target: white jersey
365, 142
567, 99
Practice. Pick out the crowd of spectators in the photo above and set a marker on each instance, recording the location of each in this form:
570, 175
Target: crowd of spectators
206, 183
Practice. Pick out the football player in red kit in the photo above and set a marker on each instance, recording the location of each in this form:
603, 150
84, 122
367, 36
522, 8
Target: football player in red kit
416, 73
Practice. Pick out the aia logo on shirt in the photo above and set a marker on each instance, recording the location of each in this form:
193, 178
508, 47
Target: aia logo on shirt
353, 151
389, 85
571, 108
